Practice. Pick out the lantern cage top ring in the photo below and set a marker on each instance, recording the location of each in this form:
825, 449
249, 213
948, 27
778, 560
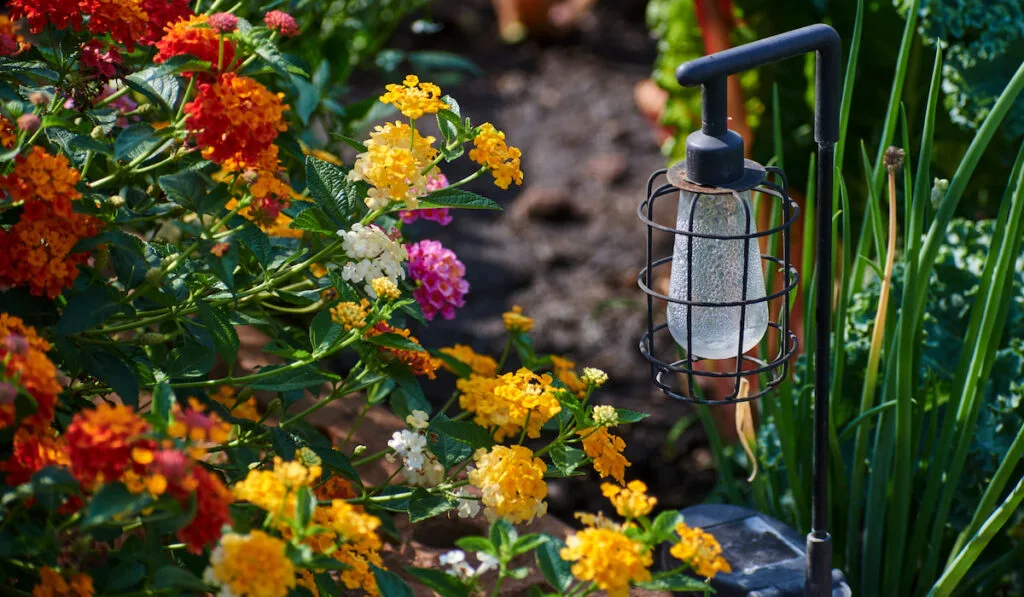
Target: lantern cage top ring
675, 370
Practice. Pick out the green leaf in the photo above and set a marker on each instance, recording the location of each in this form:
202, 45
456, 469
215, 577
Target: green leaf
112, 500
677, 583
556, 571
457, 198
314, 219
410, 389
134, 141
86, 310
397, 504
503, 534
529, 542
433, 60
449, 124
391, 584
630, 416
423, 505
664, 526
225, 338
186, 188
159, 415
449, 451
323, 331
444, 584
392, 340
305, 504
476, 543
173, 577
266, 50
353, 143
461, 369
464, 431
283, 443
154, 82
125, 576
566, 458
330, 188
283, 378
110, 368
255, 240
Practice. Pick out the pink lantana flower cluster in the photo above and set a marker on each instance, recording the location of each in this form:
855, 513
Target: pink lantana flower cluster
440, 215
439, 277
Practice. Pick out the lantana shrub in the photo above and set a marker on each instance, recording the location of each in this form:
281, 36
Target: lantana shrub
154, 199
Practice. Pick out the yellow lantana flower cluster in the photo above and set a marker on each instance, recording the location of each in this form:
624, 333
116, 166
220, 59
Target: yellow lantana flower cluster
606, 556
275, 490
480, 364
385, 288
253, 565
700, 550
512, 483
414, 98
630, 501
515, 321
351, 315
606, 450
565, 371
354, 532
244, 409
490, 150
393, 164
511, 402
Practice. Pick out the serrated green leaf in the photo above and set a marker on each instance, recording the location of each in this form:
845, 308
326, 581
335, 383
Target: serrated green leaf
476, 543
157, 84
276, 61
437, 580
449, 451
630, 416
110, 368
305, 505
314, 219
556, 571
397, 341
676, 583
391, 584
112, 500
135, 141
529, 542
283, 379
664, 526
464, 431
503, 534
410, 389
423, 505
457, 198
330, 188
159, 415
225, 338
449, 125
566, 458
323, 331
173, 577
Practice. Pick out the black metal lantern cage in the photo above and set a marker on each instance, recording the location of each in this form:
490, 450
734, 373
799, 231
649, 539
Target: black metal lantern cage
675, 376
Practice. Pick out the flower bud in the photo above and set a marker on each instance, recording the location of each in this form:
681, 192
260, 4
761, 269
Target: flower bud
150, 338
307, 456
38, 98
359, 450
97, 133
29, 123
116, 201
245, 394
275, 408
154, 275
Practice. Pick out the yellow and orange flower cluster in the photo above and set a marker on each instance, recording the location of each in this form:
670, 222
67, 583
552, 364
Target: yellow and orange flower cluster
12, 42
606, 451
36, 251
101, 442
565, 371
244, 409
414, 98
700, 550
276, 490
32, 451
26, 366
52, 584
396, 164
194, 37
630, 501
511, 402
237, 118
481, 365
490, 150
350, 314
512, 483
253, 565
605, 555
515, 321
419, 361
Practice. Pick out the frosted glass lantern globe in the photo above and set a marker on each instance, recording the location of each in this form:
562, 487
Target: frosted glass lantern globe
717, 277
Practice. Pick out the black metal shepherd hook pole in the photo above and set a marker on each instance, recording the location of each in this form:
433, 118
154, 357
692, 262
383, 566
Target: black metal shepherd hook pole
711, 163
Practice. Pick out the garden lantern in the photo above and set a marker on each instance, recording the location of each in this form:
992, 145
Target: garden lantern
718, 306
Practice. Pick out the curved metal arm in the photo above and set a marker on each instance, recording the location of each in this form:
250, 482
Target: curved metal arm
710, 72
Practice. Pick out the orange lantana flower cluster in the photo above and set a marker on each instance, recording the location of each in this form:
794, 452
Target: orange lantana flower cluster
236, 118
27, 367
36, 252
194, 37
419, 361
126, 21
112, 443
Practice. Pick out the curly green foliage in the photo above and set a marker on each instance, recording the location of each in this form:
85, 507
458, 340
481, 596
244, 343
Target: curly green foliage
984, 40
674, 24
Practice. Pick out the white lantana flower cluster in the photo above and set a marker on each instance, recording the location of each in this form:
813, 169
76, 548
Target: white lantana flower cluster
373, 254
606, 416
454, 562
421, 466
